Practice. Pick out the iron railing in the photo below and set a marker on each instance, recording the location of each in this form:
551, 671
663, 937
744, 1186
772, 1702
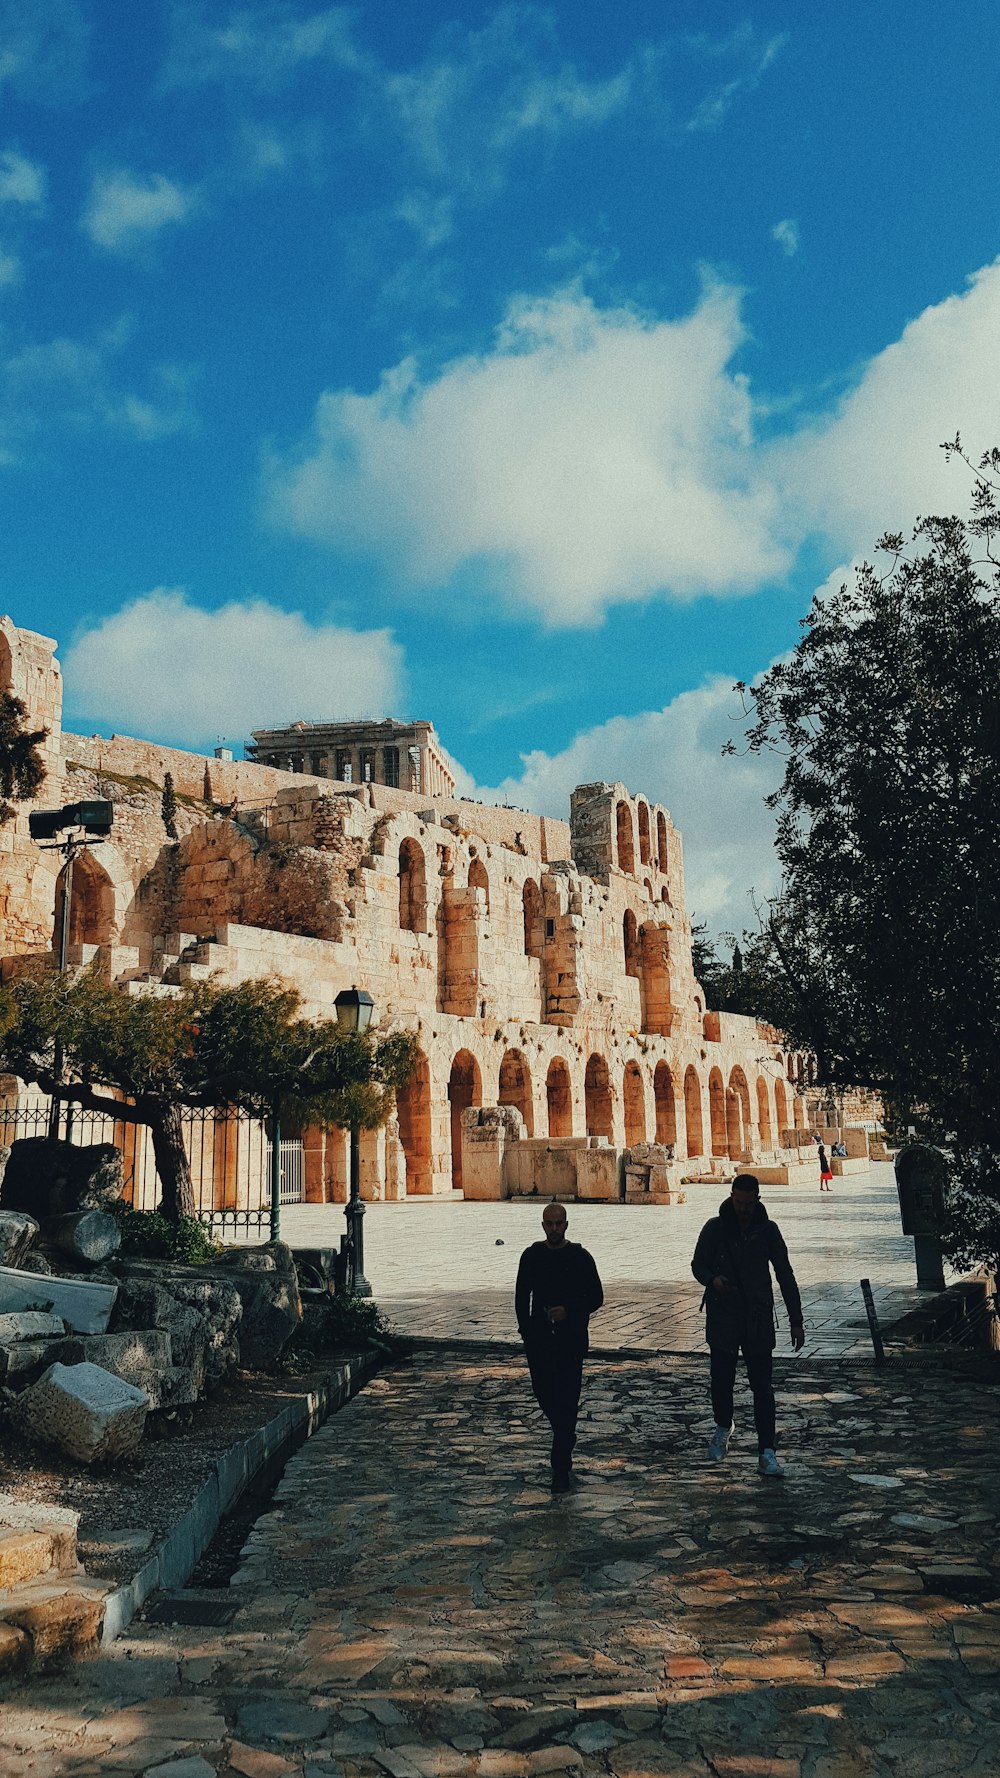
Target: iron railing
229, 1153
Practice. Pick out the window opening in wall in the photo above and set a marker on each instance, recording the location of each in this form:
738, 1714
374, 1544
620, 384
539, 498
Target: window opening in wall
630, 942
343, 765
661, 841
598, 1099
390, 766
478, 879
626, 846
550, 929
644, 852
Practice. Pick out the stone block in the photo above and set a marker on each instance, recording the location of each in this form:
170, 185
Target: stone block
268, 1287
85, 1411
84, 1306
17, 1233
87, 1235
24, 1361
47, 1177
30, 1324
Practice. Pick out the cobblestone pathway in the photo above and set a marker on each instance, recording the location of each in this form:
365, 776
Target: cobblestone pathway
418, 1604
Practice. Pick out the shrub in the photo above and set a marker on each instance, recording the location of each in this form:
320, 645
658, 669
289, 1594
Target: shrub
146, 1234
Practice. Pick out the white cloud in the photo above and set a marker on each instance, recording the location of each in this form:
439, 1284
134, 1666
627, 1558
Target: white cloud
874, 464
21, 181
125, 209
10, 268
168, 669
592, 457
786, 233
43, 49
674, 757
77, 385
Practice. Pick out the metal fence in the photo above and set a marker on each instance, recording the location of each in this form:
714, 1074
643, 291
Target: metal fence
229, 1153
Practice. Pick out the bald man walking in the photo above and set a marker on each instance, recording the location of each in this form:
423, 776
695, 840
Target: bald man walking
558, 1289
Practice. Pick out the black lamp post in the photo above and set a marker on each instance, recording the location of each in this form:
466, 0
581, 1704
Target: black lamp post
354, 1010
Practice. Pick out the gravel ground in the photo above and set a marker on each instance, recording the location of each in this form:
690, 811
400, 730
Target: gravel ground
126, 1510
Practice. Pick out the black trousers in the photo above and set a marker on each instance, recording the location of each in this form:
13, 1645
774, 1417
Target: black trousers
556, 1378
723, 1373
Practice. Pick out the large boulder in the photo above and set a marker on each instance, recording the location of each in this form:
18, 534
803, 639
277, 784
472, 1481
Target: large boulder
85, 1411
17, 1233
87, 1236
200, 1311
47, 1177
85, 1304
267, 1281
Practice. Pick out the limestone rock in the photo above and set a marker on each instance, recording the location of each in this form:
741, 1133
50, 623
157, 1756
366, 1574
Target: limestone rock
47, 1177
200, 1311
268, 1285
22, 1362
84, 1411
30, 1324
88, 1235
17, 1232
84, 1305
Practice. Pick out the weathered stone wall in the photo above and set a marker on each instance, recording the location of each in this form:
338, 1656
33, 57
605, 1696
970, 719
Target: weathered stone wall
545, 967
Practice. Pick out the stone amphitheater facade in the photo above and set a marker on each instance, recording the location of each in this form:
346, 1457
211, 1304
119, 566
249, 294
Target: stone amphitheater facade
545, 966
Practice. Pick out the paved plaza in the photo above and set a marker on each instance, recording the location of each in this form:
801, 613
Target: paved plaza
445, 1270
419, 1606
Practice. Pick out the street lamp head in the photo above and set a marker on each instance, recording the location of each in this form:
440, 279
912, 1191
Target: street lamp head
94, 817
354, 1009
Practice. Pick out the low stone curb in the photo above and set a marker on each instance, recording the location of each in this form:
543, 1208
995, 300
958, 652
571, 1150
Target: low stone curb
175, 1558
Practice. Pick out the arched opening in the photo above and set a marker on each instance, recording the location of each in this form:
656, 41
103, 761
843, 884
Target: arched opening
479, 879
413, 1103
647, 885
763, 1114
798, 1112
644, 851
780, 1108
626, 843
791, 1069
661, 840
738, 1127
92, 904
531, 903
6, 665
465, 1088
559, 1098
630, 942
597, 1094
634, 1105
663, 1099
412, 888
515, 1087
692, 1114
717, 1113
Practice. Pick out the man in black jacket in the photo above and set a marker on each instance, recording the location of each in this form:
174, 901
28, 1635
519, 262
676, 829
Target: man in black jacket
733, 1260
557, 1291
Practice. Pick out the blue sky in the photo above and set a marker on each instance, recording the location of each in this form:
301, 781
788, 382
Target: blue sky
525, 368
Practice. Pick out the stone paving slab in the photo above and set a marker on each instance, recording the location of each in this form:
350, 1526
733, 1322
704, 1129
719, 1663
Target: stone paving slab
417, 1602
445, 1271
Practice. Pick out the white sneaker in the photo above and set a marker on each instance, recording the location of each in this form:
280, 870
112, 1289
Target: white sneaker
768, 1463
718, 1444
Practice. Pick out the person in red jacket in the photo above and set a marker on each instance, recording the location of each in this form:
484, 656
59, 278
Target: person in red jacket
557, 1291
733, 1260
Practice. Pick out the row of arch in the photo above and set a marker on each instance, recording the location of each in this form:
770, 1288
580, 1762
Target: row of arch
737, 1121
651, 851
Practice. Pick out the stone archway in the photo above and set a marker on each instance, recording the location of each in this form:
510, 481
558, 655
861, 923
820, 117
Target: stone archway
599, 1099
663, 1099
633, 1105
413, 1104
559, 1098
692, 1114
763, 1114
479, 878
92, 904
780, 1109
625, 836
515, 1087
465, 1088
412, 888
644, 849
534, 927
717, 1113
739, 1128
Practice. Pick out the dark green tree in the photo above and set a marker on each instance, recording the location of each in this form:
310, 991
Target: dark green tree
246, 1047
168, 806
22, 772
885, 941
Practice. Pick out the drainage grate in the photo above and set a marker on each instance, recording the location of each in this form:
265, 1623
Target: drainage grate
209, 1609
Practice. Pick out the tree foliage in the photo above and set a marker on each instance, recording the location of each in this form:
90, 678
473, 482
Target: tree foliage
22, 772
247, 1047
747, 983
168, 806
885, 941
